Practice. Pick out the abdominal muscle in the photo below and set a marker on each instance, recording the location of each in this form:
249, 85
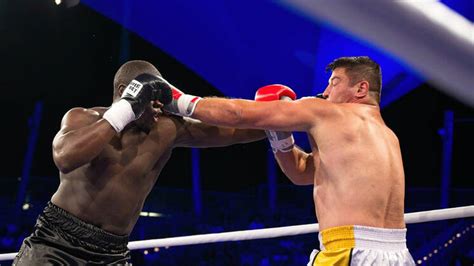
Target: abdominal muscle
112, 208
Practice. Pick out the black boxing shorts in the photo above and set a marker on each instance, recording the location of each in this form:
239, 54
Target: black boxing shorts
59, 238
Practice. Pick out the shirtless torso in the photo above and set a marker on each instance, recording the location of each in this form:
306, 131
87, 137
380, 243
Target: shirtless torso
110, 190
359, 175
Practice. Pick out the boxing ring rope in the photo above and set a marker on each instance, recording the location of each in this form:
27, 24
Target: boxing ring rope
410, 218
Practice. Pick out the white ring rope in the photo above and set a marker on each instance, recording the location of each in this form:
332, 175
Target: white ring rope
410, 218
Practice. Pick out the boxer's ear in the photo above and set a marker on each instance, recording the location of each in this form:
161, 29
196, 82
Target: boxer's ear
121, 87
362, 89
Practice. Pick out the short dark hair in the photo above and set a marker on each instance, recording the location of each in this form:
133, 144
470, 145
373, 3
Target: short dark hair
128, 71
361, 68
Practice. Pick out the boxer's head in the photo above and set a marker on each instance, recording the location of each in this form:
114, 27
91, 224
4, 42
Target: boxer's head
125, 74
353, 78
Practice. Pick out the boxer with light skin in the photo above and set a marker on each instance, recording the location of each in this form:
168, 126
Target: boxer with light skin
109, 159
355, 164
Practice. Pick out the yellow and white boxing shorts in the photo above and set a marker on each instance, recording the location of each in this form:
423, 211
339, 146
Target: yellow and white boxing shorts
361, 245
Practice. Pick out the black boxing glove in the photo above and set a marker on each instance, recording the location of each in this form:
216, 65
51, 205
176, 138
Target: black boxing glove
136, 96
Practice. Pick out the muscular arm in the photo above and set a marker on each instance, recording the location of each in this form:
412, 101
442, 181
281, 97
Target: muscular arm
297, 165
297, 115
82, 137
193, 133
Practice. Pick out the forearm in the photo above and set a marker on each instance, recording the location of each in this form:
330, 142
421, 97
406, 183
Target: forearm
221, 112
226, 137
248, 135
78, 147
297, 165
194, 133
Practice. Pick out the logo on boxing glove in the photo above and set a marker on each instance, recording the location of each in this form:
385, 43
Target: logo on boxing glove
133, 88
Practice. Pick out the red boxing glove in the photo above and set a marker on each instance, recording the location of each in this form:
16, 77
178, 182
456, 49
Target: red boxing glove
274, 92
280, 141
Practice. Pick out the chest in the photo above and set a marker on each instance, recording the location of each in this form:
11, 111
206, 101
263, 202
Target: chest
137, 154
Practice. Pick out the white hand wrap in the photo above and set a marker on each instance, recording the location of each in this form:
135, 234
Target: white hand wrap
119, 115
280, 141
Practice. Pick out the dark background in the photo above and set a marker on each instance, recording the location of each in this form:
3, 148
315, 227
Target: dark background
66, 58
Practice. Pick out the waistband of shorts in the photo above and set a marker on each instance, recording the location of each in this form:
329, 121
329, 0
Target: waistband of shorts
357, 236
82, 230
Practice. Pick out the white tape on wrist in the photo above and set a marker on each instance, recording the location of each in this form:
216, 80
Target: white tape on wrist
187, 104
119, 115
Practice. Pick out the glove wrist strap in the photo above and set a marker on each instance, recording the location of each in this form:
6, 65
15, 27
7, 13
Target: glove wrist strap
187, 103
119, 115
282, 145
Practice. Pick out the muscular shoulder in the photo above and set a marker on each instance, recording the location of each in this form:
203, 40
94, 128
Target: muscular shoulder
184, 129
173, 124
82, 116
363, 111
322, 109
168, 124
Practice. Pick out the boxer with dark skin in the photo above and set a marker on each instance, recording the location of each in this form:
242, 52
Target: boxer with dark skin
109, 159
